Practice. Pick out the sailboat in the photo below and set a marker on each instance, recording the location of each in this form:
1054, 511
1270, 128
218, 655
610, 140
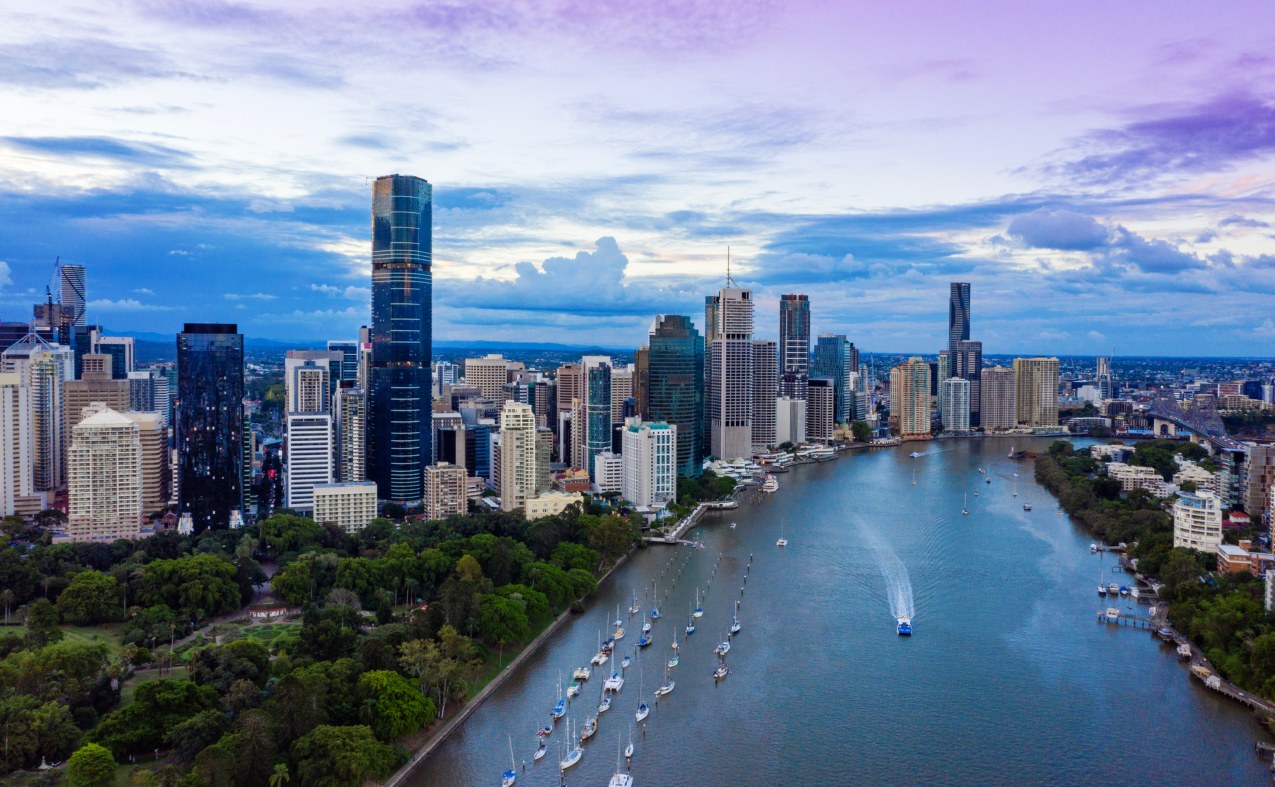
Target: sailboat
590, 728
541, 750
604, 702
510, 776
628, 750
1102, 583
966, 509
559, 709
655, 611
619, 628
721, 672
1011, 452
673, 662
625, 662
690, 626
734, 626
620, 778
643, 710
913, 476
782, 542
574, 753
699, 611
636, 608
666, 687
1015, 489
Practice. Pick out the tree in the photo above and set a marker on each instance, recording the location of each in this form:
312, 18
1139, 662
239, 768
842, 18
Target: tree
197, 586
501, 620
418, 657
43, 620
330, 756
862, 431
220, 666
191, 736
613, 537
33, 731
91, 766
280, 776
397, 708
158, 706
92, 597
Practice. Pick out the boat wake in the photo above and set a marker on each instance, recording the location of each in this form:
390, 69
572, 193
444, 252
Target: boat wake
898, 585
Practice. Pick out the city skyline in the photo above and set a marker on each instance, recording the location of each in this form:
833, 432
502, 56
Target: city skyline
1125, 192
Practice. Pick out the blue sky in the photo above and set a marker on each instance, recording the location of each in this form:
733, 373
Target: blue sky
1104, 176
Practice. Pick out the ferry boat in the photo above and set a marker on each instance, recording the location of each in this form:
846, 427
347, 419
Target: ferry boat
771, 484
904, 626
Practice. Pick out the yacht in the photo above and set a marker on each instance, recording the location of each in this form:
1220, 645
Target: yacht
510, 776
734, 626
645, 641
604, 704
723, 648
560, 709
782, 542
614, 683
582, 673
643, 711
541, 750
620, 778
590, 728
573, 754
1113, 589
619, 628
699, 611
646, 628
636, 608
690, 627
624, 664
771, 484
732, 525
665, 688
574, 689
600, 658
904, 626
1124, 590
721, 672
628, 750
673, 662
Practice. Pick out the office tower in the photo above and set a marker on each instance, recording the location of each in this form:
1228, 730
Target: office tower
445, 492
955, 396
910, 398
156, 475
944, 372
517, 456
649, 463
12, 332
349, 351
350, 505
95, 385
1257, 479
1102, 376
73, 293
351, 434
544, 455
15, 441
642, 379
309, 457
307, 379
621, 390
489, 374
675, 387
105, 479
729, 334
148, 393
794, 346
1037, 391
120, 348
210, 423
543, 401
765, 390
398, 435
968, 365
821, 407
570, 385
84, 339
958, 316
595, 409
478, 449
44, 368
608, 472
1000, 397
790, 420
836, 359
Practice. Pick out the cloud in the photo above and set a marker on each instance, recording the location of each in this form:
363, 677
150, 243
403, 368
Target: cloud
350, 292
1059, 229
1266, 330
143, 153
1152, 256
79, 63
1242, 221
254, 296
1096, 336
126, 305
143, 291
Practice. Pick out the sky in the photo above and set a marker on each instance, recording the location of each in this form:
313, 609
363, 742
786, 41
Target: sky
1102, 173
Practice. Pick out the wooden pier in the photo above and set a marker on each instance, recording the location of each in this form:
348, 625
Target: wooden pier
1135, 621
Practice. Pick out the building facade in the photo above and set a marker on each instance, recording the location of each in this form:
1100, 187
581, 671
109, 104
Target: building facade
794, 346
910, 398
104, 491
15, 442
350, 506
675, 386
729, 334
445, 491
837, 359
595, 410
954, 393
489, 374
1037, 386
999, 397
517, 456
969, 366
958, 316
649, 460
1197, 521
210, 421
765, 392
399, 426
790, 419
821, 409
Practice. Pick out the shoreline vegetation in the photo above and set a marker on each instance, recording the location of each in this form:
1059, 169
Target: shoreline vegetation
1222, 614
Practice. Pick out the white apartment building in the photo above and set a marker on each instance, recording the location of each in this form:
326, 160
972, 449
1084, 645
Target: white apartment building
489, 374
1197, 521
445, 491
105, 479
955, 395
349, 505
608, 472
649, 463
15, 437
790, 419
309, 457
517, 459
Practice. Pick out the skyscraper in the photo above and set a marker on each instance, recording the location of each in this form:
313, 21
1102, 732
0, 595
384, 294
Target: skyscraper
999, 399
821, 405
517, 456
794, 346
399, 433
44, 368
675, 386
910, 398
954, 393
958, 316
489, 374
1037, 383
15, 441
837, 359
120, 348
73, 294
968, 365
310, 450
596, 408
729, 333
649, 463
351, 434
349, 350
210, 422
105, 479
765, 389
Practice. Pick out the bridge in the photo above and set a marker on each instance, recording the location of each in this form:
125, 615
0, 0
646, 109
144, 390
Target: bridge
1199, 416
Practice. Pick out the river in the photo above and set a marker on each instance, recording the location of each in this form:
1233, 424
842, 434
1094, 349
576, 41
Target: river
1007, 679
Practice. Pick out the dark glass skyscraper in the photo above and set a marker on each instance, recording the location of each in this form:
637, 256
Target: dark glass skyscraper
597, 409
210, 387
958, 316
835, 359
794, 345
399, 419
675, 387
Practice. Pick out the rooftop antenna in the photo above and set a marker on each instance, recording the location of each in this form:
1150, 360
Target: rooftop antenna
729, 282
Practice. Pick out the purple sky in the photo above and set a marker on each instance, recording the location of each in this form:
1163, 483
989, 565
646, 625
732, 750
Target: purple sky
1104, 173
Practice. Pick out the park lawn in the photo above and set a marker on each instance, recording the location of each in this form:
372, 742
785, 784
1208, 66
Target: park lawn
179, 672
106, 633
270, 634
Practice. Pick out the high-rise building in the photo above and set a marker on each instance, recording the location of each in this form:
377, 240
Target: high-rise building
570, 385
1037, 396
729, 334
307, 379
351, 434
821, 409
954, 393
765, 390
44, 368
16, 445
968, 365
121, 350
794, 346
958, 316
399, 426
148, 393
649, 463
1103, 378
95, 385
790, 420
309, 457
349, 350
489, 374
1197, 521
675, 389
445, 493
73, 293
999, 399
608, 471
1257, 480
621, 390
910, 398
156, 475
350, 505
105, 479
517, 456
210, 423
596, 408
837, 359
642, 379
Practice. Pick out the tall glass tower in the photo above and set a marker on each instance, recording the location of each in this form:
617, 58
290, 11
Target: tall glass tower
958, 317
675, 388
794, 346
210, 388
399, 420
835, 359
597, 408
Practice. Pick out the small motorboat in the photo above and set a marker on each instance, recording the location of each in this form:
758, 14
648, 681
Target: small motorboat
1113, 614
643, 711
1113, 589
721, 672
915, 455
904, 626
574, 689
582, 673
1027, 506
1093, 548
988, 479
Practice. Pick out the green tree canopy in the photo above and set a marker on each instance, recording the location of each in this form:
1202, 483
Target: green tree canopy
90, 766
330, 756
397, 706
92, 597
